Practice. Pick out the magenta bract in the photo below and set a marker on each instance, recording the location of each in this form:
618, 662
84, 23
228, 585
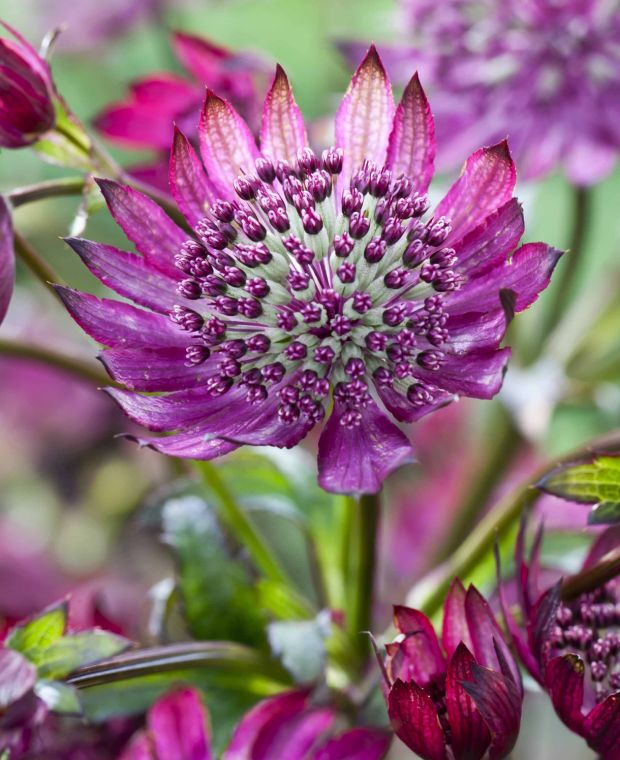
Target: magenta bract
309, 280
26, 93
460, 698
573, 648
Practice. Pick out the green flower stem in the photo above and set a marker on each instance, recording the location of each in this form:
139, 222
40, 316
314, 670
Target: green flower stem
505, 445
83, 369
54, 188
236, 520
36, 263
143, 662
361, 580
473, 549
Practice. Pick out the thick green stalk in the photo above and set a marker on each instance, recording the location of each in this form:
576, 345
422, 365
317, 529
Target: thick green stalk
54, 188
238, 523
83, 369
361, 581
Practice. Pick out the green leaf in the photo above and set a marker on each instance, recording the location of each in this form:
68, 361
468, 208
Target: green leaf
595, 480
300, 645
59, 697
38, 633
218, 596
68, 144
71, 651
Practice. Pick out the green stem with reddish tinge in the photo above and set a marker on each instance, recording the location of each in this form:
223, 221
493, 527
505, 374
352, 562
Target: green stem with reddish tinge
55, 188
36, 263
80, 368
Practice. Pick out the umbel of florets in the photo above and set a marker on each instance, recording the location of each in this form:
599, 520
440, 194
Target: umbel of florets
315, 287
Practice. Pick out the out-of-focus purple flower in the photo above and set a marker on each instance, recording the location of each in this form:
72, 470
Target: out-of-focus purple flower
572, 648
146, 118
21, 711
7, 258
177, 727
459, 698
309, 278
26, 93
545, 73
292, 726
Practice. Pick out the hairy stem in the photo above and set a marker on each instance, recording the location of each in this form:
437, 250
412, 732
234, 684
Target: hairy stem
240, 525
362, 551
143, 662
36, 263
81, 368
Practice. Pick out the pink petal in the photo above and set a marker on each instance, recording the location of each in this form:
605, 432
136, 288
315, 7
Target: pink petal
358, 459
7, 258
149, 228
478, 375
455, 629
178, 724
602, 728
565, 683
470, 736
17, 677
128, 275
399, 406
607, 541
153, 369
169, 412
139, 748
356, 744
283, 132
189, 184
364, 118
486, 183
411, 148
226, 144
114, 323
194, 443
414, 720
418, 656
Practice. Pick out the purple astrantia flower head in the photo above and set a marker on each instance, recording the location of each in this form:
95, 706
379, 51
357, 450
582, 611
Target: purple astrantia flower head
177, 727
572, 648
312, 287
7, 258
458, 699
546, 73
155, 103
291, 726
26, 93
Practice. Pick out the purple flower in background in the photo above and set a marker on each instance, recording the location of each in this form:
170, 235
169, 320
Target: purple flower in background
459, 699
545, 73
177, 727
146, 118
26, 93
572, 648
309, 280
290, 726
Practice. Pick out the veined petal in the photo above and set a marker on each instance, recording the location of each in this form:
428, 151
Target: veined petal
169, 412
470, 735
178, 724
128, 275
139, 748
151, 230
17, 677
411, 148
283, 132
154, 369
564, 680
476, 331
487, 182
455, 628
7, 258
499, 702
364, 118
602, 728
478, 374
419, 656
189, 184
414, 720
399, 406
118, 324
226, 144
358, 459
356, 744
194, 443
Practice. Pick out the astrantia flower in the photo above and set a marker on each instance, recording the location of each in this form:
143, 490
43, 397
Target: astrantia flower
459, 699
313, 287
545, 73
156, 102
572, 648
26, 93
290, 726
